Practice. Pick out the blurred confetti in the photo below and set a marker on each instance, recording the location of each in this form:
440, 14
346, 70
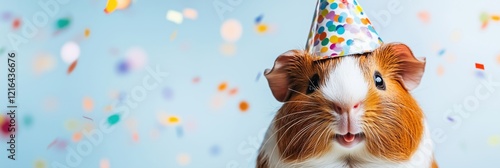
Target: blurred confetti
259, 18
498, 59
16, 23
218, 101
88, 104
123, 4
135, 137
214, 150
190, 13
43, 63
494, 140
261, 28
231, 30
441, 52
111, 6
197, 79
233, 91
86, 33
70, 52
244, 106
173, 120
183, 159
440, 70
122, 67
72, 67
104, 163
113, 119
6, 16
222, 86
480, 74
228, 49
136, 58
27, 120
168, 93
88, 118
63, 23
4, 125
39, 164
179, 131
174, 16
258, 76
450, 119
424, 16
2, 50
77, 136
479, 66
72, 125
173, 35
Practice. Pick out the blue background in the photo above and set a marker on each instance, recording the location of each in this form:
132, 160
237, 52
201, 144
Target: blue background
224, 136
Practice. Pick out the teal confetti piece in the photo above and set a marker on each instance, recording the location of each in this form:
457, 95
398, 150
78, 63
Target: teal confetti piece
113, 119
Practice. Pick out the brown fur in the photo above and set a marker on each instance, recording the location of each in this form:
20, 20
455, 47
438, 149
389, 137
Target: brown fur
392, 123
262, 161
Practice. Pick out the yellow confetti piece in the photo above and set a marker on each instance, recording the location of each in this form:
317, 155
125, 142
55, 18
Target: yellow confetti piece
173, 35
43, 63
494, 140
495, 17
123, 4
86, 33
262, 28
39, 164
111, 6
104, 163
222, 86
183, 159
174, 16
71, 125
1, 119
173, 120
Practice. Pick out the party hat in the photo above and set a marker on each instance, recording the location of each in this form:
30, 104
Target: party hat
340, 28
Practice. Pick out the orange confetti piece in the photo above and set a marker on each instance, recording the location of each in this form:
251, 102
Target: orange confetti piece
16, 23
104, 163
77, 136
244, 106
135, 137
87, 33
440, 70
88, 104
484, 25
498, 59
111, 6
222, 86
424, 16
495, 17
479, 66
72, 67
233, 91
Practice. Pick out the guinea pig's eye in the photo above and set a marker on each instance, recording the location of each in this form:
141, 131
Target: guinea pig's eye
379, 81
313, 84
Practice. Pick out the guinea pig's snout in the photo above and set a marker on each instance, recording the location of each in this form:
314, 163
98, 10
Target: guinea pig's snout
348, 118
349, 108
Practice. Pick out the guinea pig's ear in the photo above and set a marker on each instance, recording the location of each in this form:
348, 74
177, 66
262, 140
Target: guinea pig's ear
410, 69
278, 77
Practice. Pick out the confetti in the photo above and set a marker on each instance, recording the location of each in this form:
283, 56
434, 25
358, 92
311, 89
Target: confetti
174, 16
258, 76
72, 67
104, 163
43, 63
450, 119
480, 74
86, 33
190, 13
222, 86
244, 106
123, 4
259, 18
88, 104
123, 67
441, 52
2, 50
77, 136
113, 119
183, 159
494, 140
261, 28
52, 143
214, 150
71, 125
484, 17
6, 16
173, 35
168, 93
479, 66
498, 59
197, 79
135, 137
5, 126
16, 23
233, 91
39, 164
228, 49
136, 58
111, 6
88, 118
440, 70
180, 131
231, 30
63, 23
495, 17
70, 52
173, 120
27, 120
424, 16
218, 101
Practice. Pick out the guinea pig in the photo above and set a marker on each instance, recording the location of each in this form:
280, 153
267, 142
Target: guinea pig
346, 112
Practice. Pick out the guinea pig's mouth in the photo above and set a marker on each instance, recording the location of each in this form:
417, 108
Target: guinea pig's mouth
349, 140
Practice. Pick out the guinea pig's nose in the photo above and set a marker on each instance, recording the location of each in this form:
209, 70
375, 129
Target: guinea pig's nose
346, 108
